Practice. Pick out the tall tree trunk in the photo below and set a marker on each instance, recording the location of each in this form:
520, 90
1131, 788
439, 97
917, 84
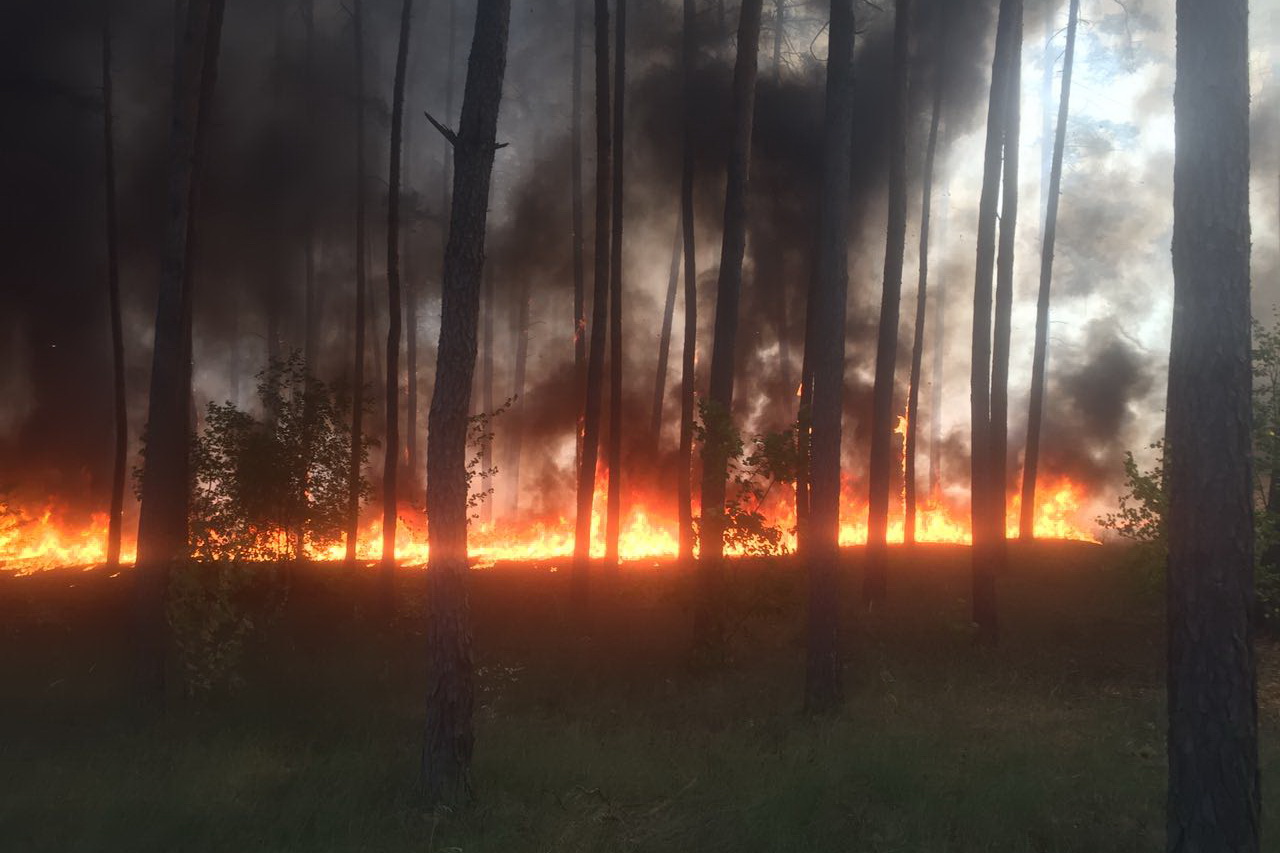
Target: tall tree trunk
599, 310
391, 457
311, 307
985, 525
357, 383
446, 757
822, 675
162, 522
922, 291
613, 521
804, 423
579, 239
1039, 357
1004, 303
119, 468
779, 15
882, 412
708, 622
518, 391
1213, 800
664, 339
688, 356
486, 389
939, 350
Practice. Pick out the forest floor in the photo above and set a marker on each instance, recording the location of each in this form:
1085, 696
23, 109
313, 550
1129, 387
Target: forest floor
1053, 741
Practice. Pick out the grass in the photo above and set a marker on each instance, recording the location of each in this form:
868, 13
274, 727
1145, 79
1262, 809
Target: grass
1051, 742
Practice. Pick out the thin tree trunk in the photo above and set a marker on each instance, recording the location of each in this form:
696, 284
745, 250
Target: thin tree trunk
688, 356
518, 391
1004, 303
613, 521
162, 523
804, 423
1039, 357
311, 307
823, 689
579, 239
939, 350
882, 412
779, 14
922, 293
450, 737
664, 340
357, 384
115, 520
486, 389
708, 621
391, 457
984, 532
1213, 802
599, 310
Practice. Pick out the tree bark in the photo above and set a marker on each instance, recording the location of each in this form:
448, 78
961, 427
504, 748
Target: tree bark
119, 467
579, 239
688, 356
987, 528
922, 292
162, 523
486, 390
1213, 802
311, 307
664, 340
516, 435
708, 621
446, 759
1039, 357
613, 520
882, 412
357, 382
1004, 301
599, 310
391, 457
823, 689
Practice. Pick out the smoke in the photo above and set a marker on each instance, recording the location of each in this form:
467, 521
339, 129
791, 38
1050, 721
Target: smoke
281, 169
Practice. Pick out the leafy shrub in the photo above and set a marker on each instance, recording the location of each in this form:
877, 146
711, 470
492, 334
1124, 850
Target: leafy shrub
772, 459
210, 618
266, 486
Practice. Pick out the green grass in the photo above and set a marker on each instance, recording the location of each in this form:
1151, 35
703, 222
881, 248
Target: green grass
1051, 742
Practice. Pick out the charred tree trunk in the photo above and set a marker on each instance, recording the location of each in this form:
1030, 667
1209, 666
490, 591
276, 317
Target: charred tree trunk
311, 307
688, 356
357, 381
664, 339
162, 523
1039, 357
1004, 301
708, 621
518, 390
986, 527
486, 390
391, 457
446, 758
1213, 800
822, 675
613, 521
922, 295
579, 240
882, 413
119, 467
599, 311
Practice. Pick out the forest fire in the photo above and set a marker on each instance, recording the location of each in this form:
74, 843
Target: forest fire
50, 537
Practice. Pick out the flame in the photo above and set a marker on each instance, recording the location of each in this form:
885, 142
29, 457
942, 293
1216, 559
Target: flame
48, 537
